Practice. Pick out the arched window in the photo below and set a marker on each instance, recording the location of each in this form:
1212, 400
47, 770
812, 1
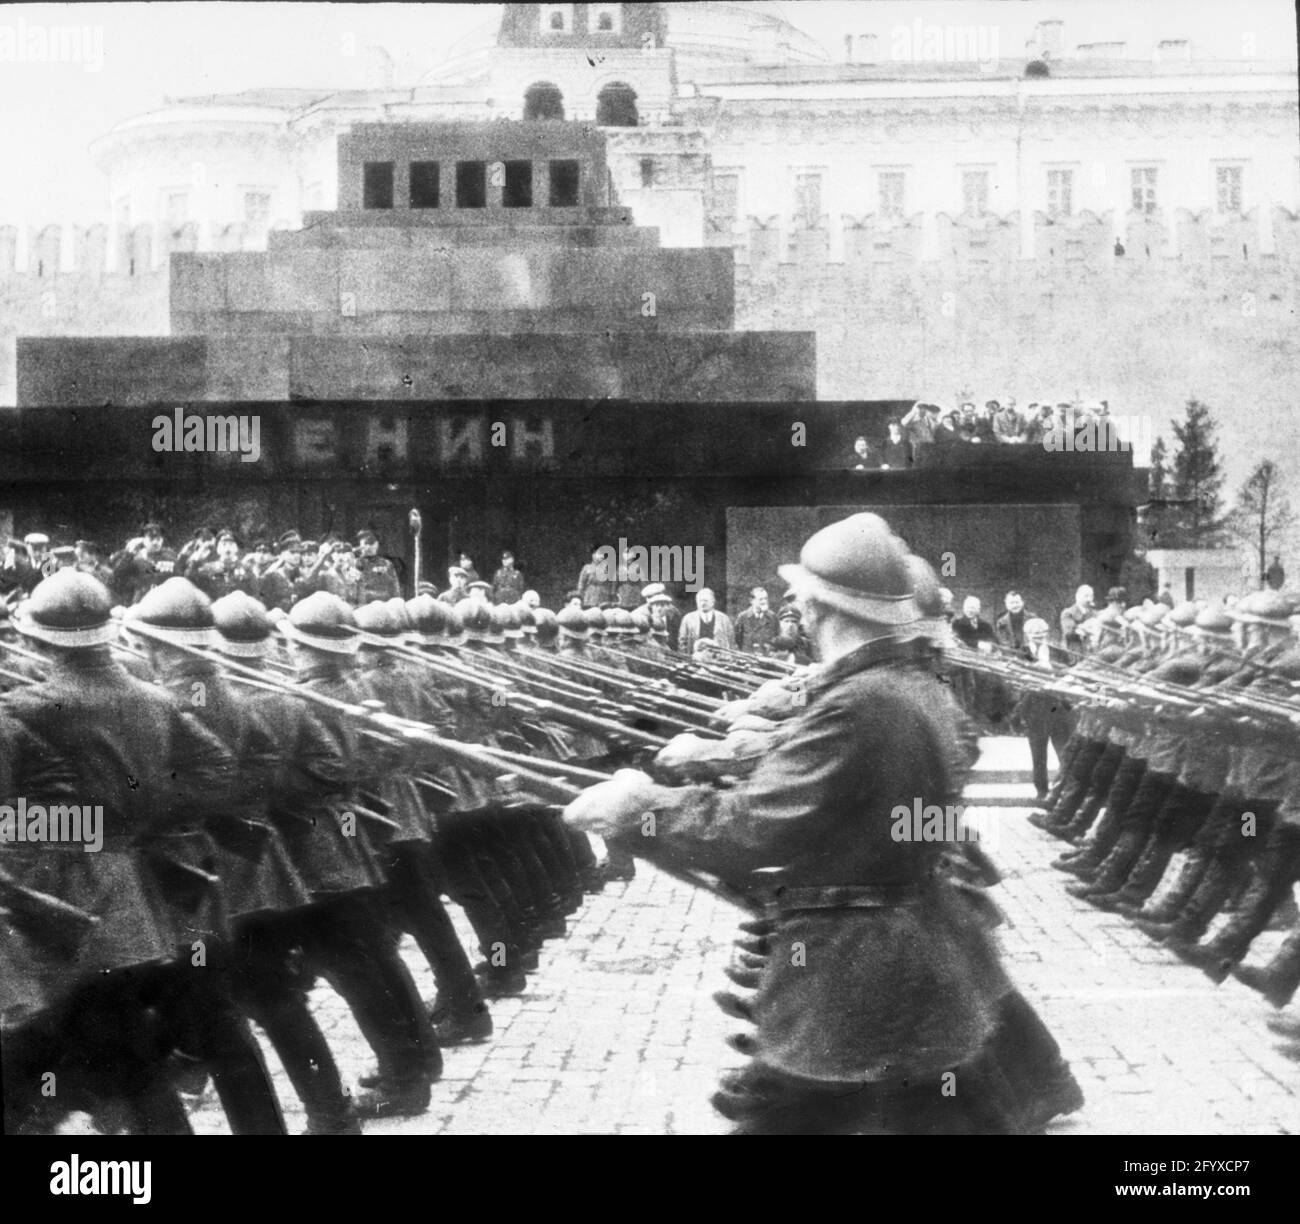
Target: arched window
543, 101
616, 106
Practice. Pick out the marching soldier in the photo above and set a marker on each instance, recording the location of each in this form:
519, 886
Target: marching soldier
414, 881
133, 750
846, 1041
264, 891
356, 947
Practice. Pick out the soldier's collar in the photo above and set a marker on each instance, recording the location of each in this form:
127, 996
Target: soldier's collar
84, 660
870, 654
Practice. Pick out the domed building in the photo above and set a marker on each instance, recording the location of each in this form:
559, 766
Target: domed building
219, 172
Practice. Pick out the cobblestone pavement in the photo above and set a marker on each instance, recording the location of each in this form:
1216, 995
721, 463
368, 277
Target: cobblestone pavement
618, 1033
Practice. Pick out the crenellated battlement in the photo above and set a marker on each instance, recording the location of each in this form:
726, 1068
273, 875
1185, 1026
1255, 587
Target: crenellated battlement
1086, 239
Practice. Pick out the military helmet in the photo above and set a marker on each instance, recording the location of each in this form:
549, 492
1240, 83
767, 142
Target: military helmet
428, 619
1213, 621
475, 620
858, 567
68, 609
175, 611
572, 622
506, 619
548, 625
243, 627
378, 620
323, 622
1263, 608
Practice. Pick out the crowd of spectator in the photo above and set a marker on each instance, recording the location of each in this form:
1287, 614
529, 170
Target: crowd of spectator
278, 574
927, 427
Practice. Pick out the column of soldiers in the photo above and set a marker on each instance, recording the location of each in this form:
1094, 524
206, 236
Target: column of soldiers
259, 832
1179, 790
287, 792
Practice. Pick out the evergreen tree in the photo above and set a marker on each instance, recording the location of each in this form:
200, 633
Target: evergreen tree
1198, 479
1158, 478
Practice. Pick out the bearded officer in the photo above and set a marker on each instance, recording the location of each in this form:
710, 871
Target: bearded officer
876, 992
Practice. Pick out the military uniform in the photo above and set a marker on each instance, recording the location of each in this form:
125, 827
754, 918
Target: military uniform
354, 944
872, 979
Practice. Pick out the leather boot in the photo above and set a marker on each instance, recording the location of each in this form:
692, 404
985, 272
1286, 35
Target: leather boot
1279, 979
1186, 877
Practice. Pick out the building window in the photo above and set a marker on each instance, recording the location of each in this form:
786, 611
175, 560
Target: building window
517, 191
1227, 189
606, 18
975, 192
557, 18
892, 184
1060, 193
564, 184
543, 101
377, 185
647, 172
725, 203
616, 106
808, 201
1143, 179
471, 184
257, 207
425, 184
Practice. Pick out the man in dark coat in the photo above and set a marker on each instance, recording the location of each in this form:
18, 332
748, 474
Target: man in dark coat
1045, 716
873, 980
757, 627
1010, 626
970, 628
